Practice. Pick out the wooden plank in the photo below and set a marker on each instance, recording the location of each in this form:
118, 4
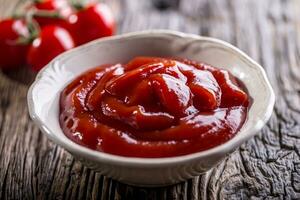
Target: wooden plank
267, 166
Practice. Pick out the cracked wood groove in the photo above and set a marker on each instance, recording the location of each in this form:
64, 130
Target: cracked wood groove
265, 167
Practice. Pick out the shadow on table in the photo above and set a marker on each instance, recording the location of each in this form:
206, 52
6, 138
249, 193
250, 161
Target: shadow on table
167, 192
21, 75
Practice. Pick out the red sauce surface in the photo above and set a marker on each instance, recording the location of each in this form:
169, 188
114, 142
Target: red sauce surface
153, 107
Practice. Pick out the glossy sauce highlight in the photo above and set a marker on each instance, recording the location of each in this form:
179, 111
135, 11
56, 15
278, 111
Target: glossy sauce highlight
153, 107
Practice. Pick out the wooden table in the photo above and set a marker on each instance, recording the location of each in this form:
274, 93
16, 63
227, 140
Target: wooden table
267, 166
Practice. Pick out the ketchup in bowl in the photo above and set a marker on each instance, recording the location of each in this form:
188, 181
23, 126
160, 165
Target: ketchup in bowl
153, 107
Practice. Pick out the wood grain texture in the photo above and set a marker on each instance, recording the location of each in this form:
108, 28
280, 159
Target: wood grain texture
265, 167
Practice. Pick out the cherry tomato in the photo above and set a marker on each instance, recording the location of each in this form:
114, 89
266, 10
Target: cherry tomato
50, 4
57, 12
13, 44
92, 22
52, 41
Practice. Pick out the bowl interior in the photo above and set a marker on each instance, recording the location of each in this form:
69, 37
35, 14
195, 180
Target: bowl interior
51, 81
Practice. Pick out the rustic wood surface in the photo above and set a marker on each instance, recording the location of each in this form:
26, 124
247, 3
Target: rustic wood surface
265, 167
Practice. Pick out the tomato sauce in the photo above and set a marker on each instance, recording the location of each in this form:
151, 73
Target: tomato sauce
153, 107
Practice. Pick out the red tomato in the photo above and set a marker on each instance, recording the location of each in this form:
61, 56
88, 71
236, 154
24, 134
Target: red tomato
50, 4
13, 46
92, 22
61, 7
52, 41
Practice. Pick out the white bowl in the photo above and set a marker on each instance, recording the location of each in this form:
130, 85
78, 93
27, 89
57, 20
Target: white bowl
43, 98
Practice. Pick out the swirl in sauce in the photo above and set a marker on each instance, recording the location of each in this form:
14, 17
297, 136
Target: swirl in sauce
153, 107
